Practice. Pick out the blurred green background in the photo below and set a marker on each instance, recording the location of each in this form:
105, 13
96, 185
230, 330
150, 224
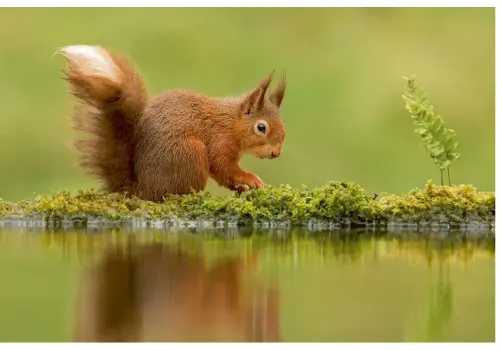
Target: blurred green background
343, 109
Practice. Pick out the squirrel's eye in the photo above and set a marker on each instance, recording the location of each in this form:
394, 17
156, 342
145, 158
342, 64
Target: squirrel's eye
260, 128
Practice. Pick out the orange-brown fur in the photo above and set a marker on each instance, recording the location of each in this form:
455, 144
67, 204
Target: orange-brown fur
172, 143
157, 293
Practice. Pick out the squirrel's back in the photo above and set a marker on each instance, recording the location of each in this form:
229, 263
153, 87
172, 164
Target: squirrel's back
176, 114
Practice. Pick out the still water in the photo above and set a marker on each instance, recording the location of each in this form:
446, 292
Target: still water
195, 285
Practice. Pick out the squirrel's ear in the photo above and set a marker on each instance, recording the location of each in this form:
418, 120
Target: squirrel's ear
250, 101
254, 101
278, 93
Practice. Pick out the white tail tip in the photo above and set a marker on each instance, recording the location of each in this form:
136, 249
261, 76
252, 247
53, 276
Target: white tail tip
90, 60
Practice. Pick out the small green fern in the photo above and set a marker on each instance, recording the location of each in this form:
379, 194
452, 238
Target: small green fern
439, 141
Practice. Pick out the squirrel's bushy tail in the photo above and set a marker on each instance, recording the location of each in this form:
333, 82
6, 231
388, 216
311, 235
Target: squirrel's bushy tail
111, 97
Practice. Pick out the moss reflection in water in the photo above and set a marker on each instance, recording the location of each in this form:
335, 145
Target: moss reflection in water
333, 245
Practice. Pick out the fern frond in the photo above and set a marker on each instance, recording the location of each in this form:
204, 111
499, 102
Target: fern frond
440, 142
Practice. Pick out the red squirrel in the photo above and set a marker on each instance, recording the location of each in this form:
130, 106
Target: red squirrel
171, 143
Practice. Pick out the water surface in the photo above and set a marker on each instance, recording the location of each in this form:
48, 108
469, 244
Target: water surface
247, 285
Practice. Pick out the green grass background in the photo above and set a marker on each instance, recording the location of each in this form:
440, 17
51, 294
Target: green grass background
343, 110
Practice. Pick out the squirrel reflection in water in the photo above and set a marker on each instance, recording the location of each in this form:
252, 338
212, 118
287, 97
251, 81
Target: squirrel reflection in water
159, 293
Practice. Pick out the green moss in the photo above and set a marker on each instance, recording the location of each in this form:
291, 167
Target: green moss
337, 203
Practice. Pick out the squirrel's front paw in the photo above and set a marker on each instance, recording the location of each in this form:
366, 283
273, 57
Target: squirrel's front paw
246, 183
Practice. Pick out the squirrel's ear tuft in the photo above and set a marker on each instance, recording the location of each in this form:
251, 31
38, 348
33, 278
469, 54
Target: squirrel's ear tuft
263, 89
254, 101
277, 94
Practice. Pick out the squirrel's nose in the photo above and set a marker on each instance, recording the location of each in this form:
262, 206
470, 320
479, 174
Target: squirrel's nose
276, 154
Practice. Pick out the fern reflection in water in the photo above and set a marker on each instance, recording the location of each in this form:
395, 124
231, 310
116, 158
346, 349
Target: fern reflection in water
437, 139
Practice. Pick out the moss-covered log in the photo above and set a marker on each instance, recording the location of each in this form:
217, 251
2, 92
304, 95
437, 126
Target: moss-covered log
335, 205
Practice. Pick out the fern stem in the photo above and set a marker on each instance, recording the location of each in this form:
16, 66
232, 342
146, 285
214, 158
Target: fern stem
442, 177
449, 180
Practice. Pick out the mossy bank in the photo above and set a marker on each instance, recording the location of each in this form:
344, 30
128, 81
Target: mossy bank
335, 205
